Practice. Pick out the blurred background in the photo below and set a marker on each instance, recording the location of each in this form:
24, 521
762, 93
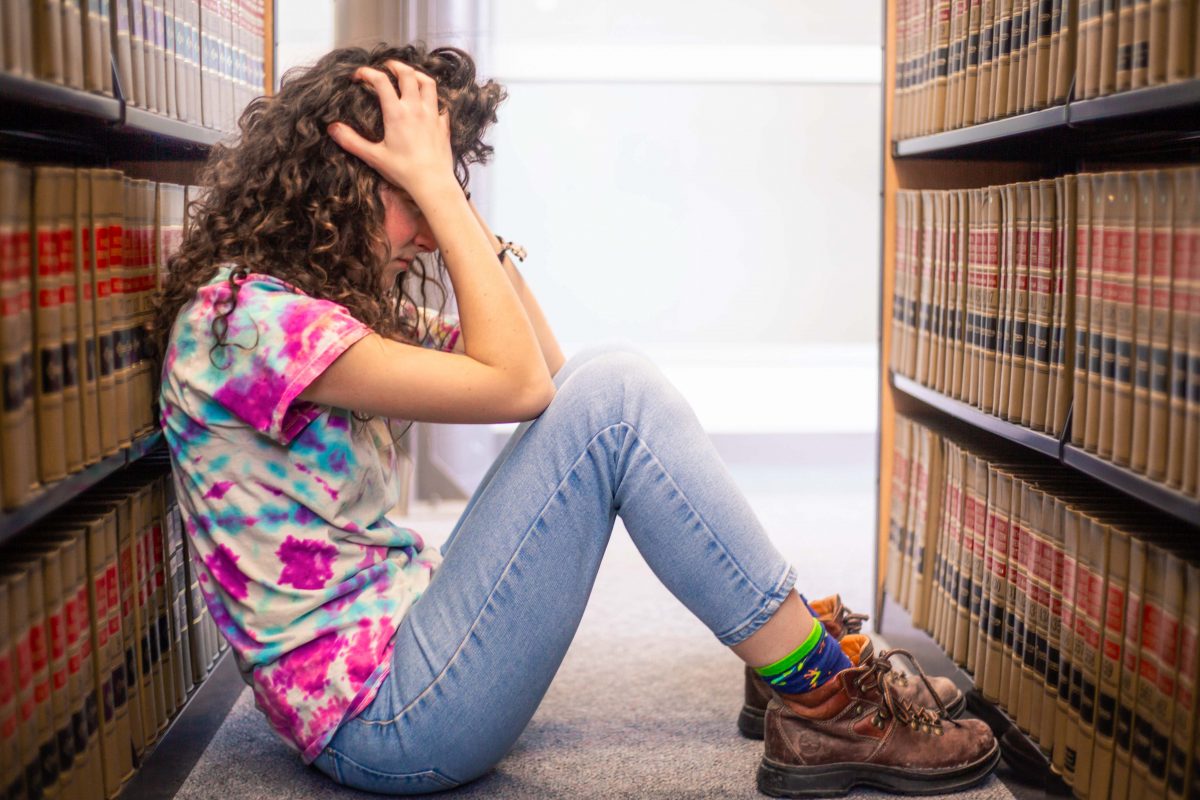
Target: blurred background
704, 185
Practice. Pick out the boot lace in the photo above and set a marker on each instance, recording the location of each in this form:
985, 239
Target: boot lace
906, 713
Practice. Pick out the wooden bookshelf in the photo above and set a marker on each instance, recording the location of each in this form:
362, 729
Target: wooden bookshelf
1148, 125
46, 123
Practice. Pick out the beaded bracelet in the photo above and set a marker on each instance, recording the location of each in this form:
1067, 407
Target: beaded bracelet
512, 248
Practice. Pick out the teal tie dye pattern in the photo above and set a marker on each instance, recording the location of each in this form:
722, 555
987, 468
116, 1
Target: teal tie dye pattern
284, 502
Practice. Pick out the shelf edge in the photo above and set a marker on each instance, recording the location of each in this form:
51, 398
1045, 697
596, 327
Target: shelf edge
1026, 437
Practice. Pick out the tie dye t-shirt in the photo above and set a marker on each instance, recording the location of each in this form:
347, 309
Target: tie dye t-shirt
284, 502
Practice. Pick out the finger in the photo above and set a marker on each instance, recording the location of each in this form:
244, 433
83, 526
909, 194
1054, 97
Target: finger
388, 101
349, 140
428, 88
406, 77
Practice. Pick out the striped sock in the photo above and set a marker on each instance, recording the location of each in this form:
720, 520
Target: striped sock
811, 664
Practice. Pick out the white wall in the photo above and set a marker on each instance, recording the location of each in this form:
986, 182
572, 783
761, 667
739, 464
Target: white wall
689, 172
304, 30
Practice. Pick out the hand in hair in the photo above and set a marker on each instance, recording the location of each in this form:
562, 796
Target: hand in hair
415, 151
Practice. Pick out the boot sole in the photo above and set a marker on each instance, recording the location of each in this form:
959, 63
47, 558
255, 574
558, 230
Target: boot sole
752, 721
835, 780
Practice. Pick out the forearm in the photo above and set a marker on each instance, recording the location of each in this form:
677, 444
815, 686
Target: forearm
493, 329
551, 352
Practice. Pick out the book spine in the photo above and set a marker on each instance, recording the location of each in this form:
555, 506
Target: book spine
1045, 39
1122, 285
48, 366
1191, 447
1112, 617
68, 250
1053, 514
1094, 540
1041, 300
1143, 305
1139, 67
17, 470
1184, 730
1126, 20
1180, 44
1103, 200
1184, 279
1130, 653
85, 265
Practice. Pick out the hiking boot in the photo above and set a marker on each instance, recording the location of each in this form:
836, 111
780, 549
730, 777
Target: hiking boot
856, 730
840, 622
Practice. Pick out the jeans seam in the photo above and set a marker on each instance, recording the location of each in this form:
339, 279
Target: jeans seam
775, 598
491, 594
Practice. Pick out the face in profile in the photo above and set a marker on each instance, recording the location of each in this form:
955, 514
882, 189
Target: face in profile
407, 231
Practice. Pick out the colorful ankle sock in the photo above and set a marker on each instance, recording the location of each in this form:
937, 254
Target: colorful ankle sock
811, 664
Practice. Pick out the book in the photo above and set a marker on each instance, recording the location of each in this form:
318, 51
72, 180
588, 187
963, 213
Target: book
1107, 78
121, 45
1191, 427
1102, 255
1186, 225
1065, 75
1003, 60
1128, 680
85, 333
1124, 52
18, 450
1117, 402
47, 323
1159, 15
1180, 40
1041, 300
67, 235
106, 226
1113, 623
1183, 732
1140, 54
1161, 325
1142, 318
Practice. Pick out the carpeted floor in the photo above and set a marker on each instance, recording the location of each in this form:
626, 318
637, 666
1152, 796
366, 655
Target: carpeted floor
614, 723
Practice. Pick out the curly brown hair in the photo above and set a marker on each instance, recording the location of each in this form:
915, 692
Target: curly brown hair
286, 200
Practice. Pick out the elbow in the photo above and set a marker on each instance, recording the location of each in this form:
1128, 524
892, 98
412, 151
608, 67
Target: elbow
536, 398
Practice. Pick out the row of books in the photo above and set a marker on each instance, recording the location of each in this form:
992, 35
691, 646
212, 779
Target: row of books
199, 61
1079, 293
81, 252
103, 634
1072, 610
964, 62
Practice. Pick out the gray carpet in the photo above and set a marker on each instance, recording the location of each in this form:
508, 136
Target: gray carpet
612, 725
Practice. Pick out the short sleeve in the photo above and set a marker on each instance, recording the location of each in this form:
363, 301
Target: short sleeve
280, 341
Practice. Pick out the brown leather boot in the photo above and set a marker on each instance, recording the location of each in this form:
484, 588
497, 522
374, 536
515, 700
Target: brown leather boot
840, 622
856, 731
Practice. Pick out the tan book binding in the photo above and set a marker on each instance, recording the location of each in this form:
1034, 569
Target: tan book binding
17, 430
1139, 65
1109, 17
1142, 318
1082, 317
1184, 279
1087, 56
47, 322
1065, 57
1055, 286
49, 59
42, 618
173, 52
103, 222
973, 346
1117, 418
12, 778
1102, 255
978, 565
1016, 75
85, 267
72, 43
95, 35
1180, 45
1094, 541
44, 564
981, 111
26, 615
122, 49
1017, 584
1128, 680
1160, 325
1112, 630
1159, 34
1043, 33
957, 297
1037, 328
68, 317
1183, 732
989, 290
1053, 510
1191, 428
1002, 59
1125, 36
137, 94
1027, 200
1006, 273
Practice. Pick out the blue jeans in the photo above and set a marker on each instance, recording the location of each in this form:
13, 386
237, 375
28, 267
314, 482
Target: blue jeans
474, 656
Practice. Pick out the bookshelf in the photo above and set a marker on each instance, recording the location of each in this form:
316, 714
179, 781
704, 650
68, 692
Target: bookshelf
47, 123
1157, 125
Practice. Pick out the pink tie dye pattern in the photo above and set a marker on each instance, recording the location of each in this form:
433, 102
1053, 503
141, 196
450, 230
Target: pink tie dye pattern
284, 505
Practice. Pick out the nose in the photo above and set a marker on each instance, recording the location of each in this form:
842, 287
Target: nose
424, 238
